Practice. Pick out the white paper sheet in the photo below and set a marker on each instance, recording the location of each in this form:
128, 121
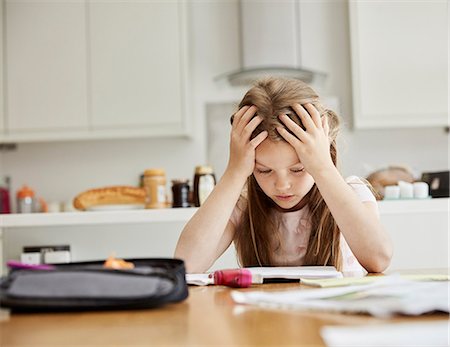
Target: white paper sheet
388, 296
199, 279
424, 334
296, 272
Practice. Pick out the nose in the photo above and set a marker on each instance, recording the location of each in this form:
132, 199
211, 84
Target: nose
282, 183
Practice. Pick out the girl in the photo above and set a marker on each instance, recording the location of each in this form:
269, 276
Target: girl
281, 199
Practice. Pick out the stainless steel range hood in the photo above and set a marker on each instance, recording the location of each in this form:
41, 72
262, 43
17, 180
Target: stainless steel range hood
270, 43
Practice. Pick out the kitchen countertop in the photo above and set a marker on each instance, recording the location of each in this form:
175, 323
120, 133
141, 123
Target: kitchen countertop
184, 214
97, 217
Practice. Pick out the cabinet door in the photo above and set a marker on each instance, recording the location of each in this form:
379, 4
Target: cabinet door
399, 63
138, 66
46, 65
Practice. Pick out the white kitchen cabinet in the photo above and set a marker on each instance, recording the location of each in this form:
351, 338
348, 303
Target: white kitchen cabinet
399, 63
419, 232
45, 66
2, 115
138, 65
95, 69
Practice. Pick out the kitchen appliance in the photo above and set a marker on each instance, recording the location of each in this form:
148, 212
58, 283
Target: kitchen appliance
438, 182
270, 43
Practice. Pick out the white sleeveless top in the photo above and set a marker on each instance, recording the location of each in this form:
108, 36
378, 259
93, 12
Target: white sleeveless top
295, 230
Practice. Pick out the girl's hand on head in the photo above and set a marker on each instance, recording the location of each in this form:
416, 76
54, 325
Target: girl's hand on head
242, 148
312, 145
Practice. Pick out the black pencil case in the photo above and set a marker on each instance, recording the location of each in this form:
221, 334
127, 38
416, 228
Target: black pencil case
89, 286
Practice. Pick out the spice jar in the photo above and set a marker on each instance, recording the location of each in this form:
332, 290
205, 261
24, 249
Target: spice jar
25, 200
204, 182
180, 193
155, 188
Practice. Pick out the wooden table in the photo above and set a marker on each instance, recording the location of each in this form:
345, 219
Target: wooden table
208, 317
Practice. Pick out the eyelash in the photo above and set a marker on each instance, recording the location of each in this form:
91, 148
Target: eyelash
265, 172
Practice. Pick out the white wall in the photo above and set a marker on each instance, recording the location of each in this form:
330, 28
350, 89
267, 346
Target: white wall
60, 170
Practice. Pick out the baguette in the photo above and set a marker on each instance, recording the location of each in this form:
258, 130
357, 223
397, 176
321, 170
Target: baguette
114, 195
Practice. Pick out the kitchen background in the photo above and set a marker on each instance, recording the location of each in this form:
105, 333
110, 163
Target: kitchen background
210, 45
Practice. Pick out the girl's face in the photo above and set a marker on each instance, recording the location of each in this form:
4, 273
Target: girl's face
280, 174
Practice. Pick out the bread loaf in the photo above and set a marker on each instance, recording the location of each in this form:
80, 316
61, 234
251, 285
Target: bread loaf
115, 195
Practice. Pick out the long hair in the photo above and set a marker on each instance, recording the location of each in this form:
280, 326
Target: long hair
257, 229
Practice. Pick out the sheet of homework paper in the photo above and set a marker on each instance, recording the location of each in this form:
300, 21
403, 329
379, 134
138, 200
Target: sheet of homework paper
288, 272
383, 298
424, 334
339, 282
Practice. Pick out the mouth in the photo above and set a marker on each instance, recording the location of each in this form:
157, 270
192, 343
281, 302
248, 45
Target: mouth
284, 197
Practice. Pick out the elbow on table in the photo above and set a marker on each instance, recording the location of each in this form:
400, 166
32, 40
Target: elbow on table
380, 262
191, 264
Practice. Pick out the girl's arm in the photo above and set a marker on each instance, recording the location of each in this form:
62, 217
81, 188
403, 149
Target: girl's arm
209, 233
359, 222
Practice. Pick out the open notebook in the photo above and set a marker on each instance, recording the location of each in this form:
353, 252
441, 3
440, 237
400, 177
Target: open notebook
259, 274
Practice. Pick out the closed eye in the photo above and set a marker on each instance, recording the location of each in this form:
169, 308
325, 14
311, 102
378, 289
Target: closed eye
263, 171
298, 170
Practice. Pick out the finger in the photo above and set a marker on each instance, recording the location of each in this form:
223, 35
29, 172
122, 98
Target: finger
291, 139
246, 117
304, 117
250, 127
237, 116
325, 125
314, 113
294, 127
259, 138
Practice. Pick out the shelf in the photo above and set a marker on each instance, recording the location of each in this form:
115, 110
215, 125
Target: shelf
389, 207
97, 217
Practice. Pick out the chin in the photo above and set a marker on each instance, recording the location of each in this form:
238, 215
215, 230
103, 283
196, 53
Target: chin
286, 204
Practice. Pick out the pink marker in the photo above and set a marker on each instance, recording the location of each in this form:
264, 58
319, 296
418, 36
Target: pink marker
14, 264
236, 278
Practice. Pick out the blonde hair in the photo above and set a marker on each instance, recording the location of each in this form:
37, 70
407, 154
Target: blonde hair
259, 222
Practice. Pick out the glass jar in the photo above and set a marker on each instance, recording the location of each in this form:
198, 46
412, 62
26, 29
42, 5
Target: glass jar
204, 182
180, 193
155, 188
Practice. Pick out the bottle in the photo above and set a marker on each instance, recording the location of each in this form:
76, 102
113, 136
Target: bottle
204, 182
180, 193
25, 200
5, 204
155, 188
